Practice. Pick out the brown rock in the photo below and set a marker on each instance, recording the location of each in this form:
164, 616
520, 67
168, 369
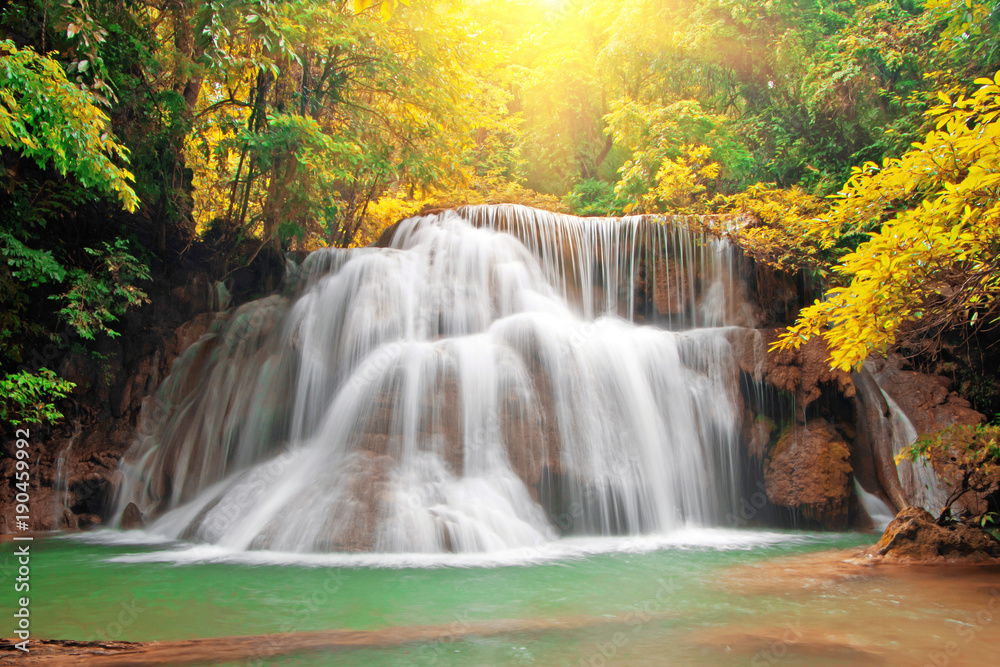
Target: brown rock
132, 517
872, 455
926, 399
757, 434
749, 350
808, 469
914, 536
353, 526
672, 287
931, 406
801, 372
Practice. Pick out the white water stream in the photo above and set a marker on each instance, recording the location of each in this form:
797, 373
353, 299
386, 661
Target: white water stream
478, 386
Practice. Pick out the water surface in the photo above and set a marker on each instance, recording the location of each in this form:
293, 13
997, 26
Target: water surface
694, 597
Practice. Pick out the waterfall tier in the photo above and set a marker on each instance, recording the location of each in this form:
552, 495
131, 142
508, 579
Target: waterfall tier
483, 383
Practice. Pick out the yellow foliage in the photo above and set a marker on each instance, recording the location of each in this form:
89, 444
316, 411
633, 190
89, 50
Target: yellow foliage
779, 227
680, 183
395, 206
388, 209
495, 191
386, 8
48, 119
933, 261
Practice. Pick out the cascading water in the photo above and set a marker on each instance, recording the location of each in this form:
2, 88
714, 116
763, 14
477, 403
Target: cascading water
877, 509
476, 386
61, 485
918, 479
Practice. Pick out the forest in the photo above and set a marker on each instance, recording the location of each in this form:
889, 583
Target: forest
856, 141
500, 332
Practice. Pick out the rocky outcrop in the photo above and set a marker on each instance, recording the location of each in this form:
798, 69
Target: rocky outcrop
132, 517
75, 461
913, 536
809, 469
807, 466
872, 453
929, 405
802, 379
803, 372
927, 400
757, 432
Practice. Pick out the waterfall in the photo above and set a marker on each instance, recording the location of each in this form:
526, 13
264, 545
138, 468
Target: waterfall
489, 381
919, 481
61, 482
877, 509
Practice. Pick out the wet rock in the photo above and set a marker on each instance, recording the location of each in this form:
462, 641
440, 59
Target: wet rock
672, 287
914, 536
872, 453
102, 420
132, 518
774, 295
926, 399
757, 434
930, 406
352, 524
68, 521
189, 332
809, 469
749, 350
804, 371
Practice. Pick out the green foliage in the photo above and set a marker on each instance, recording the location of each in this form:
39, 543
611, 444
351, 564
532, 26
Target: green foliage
678, 154
98, 297
593, 197
28, 398
51, 121
300, 137
309, 123
969, 456
29, 266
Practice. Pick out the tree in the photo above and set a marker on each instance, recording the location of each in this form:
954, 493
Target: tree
969, 458
314, 112
931, 261
54, 124
678, 154
49, 120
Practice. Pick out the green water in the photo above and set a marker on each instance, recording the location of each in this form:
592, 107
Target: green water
661, 607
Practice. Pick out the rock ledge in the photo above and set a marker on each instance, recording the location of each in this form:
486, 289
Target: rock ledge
914, 537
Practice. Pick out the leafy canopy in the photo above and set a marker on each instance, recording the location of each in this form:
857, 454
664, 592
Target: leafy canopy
48, 119
931, 261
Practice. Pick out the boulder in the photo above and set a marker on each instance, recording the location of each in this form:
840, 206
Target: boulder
914, 536
132, 517
757, 434
808, 469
